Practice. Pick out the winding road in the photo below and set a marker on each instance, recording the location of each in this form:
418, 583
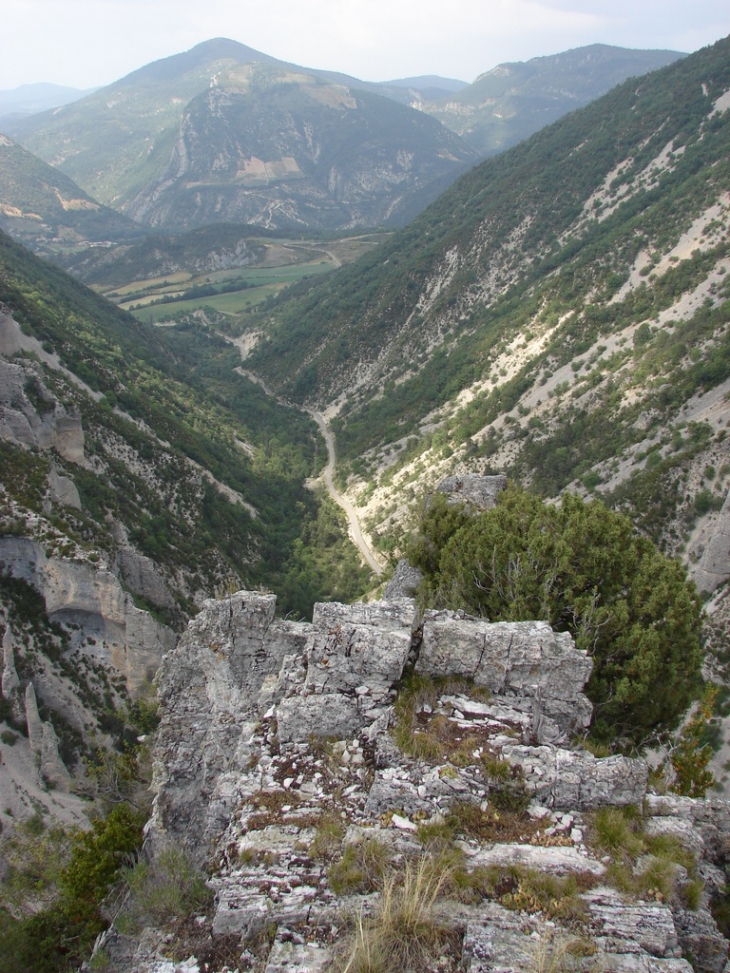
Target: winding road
341, 501
357, 537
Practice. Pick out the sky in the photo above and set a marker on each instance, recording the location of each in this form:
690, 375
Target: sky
88, 43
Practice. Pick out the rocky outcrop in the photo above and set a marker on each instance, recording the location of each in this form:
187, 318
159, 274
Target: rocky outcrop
476, 492
237, 666
10, 680
43, 423
273, 732
141, 576
404, 583
63, 489
44, 743
714, 567
130, 639
525, 662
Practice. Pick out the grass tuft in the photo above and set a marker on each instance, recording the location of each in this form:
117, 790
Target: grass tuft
404, 933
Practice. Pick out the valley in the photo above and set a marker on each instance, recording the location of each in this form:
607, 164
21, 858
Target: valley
230, 292
365, 499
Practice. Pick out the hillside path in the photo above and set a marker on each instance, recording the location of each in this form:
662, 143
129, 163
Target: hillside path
343, 502
338, 498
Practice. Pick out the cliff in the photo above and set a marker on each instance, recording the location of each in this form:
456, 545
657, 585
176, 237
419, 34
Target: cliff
315, 768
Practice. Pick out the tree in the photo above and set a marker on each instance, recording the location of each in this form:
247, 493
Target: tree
580, 567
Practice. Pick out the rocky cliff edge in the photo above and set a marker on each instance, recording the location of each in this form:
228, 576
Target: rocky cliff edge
287, 749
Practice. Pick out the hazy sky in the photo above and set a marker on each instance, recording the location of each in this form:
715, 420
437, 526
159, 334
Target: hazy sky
85, 43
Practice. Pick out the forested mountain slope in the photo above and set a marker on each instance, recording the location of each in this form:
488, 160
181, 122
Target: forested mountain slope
139, 475
561, 313
283, 148
225, 133
515, 100
39, 205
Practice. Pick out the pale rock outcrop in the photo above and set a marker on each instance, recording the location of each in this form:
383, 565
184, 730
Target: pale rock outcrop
238, 668
214, 688
476, 492
44, 742
83, 594
63, 489
141, 576
714, 566
641, 939
525, 662
404, 583
10, 680
576, 779
267, 725
22, 423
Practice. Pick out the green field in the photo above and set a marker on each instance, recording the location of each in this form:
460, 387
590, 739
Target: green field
282, 262
256, 285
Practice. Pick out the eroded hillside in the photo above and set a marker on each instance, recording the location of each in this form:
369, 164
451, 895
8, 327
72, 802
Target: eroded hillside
140, 474
561, 313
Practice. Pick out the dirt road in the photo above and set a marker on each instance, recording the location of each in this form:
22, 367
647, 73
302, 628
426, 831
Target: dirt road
354, 523
356, 533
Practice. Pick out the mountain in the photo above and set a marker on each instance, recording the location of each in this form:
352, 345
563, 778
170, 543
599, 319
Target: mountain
39, 205
282, 149
141, 474
515, 100
117, 139
226, 133
202, 251
561, 313
28, 99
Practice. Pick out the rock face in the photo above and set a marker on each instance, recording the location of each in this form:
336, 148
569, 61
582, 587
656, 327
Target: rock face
273, 732
525, 662
43, 423
402, 586
44, 743
129, 638
139, 573
334, 678
477, 492
714, 567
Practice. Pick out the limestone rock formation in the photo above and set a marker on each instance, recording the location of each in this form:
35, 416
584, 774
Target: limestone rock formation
130, 640
275, 736
524, 661
402, 586
714, 567
477, 492
63, 489
140, 575
10, 680
44, 742
44, 423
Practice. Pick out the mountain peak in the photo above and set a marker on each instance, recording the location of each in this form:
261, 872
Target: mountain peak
215, 49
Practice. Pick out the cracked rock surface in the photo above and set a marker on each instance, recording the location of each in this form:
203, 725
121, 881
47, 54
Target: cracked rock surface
282, 756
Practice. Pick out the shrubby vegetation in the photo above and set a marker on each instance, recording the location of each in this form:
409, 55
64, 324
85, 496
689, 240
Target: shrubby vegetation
581, 567
180, 387
59, 936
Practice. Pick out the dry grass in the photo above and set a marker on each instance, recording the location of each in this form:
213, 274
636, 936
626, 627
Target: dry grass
645, 866
404, 933
361, 869
330, 830
434, 738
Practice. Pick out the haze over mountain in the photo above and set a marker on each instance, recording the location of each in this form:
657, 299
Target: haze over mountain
39, 204
513, 101
29, 99
226, 133
344, 156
